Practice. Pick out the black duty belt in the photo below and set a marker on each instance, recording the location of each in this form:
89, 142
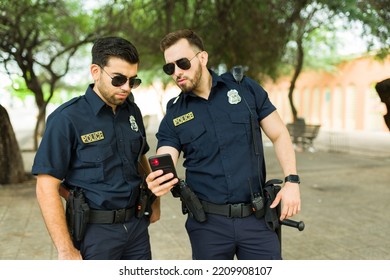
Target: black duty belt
111, 217
239, 210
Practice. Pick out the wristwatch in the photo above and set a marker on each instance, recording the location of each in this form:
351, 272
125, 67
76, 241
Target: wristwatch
292, 178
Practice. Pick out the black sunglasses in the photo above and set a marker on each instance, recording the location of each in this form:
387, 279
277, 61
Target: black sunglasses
120, 80
182, 63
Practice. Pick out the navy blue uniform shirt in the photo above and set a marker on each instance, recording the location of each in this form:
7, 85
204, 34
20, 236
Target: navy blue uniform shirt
215, 136
89, 146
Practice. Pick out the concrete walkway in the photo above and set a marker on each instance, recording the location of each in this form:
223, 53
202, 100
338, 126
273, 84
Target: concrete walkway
345, 195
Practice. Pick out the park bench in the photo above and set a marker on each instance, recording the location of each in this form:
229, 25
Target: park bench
303, 135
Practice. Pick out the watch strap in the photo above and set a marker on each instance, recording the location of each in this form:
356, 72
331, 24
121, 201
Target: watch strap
292, 178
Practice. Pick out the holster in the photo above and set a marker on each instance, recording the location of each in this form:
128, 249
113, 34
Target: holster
271, 215
77, 214
190, 202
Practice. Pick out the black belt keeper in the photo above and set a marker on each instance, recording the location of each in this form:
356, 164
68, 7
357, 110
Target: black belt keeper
119, 216
239, 210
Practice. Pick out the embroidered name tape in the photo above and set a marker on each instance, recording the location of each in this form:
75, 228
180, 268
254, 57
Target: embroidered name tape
92, 137
184, 118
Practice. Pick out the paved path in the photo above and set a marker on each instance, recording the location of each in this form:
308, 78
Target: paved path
346, 201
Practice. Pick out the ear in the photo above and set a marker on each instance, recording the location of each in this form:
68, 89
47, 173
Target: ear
95, 71
204, 58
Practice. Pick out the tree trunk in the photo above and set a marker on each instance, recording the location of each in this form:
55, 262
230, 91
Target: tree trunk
11, 161
298, 69
40, 126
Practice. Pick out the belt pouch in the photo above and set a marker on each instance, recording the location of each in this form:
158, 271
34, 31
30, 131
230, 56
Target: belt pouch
78, 215
271, 214
192, 203
70, 212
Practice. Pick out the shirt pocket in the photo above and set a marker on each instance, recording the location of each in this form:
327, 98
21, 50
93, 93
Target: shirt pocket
135, 146
241, 127
94, 160
194, 142
132, 149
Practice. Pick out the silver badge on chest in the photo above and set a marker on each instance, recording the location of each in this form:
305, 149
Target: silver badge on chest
233, 96
133, 123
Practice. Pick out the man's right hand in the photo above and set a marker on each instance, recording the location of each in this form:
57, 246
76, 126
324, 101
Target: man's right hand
156, 182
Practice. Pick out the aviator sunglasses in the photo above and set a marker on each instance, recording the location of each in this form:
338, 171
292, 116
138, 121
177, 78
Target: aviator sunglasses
182, 63
120, 80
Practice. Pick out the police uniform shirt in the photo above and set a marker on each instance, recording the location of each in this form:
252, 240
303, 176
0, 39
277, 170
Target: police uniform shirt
216, 139
89, 146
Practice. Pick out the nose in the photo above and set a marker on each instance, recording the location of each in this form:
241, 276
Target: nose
178, 71
126, 87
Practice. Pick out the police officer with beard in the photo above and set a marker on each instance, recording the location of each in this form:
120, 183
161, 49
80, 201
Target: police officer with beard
216, 123
94, 145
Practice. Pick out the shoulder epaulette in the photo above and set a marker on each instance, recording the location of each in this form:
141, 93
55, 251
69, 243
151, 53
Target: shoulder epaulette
227, 76
174, 100
70, 102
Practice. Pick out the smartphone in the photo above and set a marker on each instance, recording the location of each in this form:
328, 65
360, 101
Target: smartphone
163, 162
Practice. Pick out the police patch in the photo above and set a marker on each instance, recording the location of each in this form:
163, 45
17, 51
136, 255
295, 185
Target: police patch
233, 96
184, 118
92, 137
133, 123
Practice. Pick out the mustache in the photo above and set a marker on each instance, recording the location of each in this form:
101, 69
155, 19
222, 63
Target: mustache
181, 77
124, 91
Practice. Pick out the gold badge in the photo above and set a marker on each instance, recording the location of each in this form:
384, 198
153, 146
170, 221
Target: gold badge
184, 118
92, 137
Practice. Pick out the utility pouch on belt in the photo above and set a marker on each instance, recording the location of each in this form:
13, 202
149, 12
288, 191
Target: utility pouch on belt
190, 201
145, 201
271, 215
77, 214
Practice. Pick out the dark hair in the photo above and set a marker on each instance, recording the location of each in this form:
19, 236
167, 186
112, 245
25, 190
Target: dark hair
383, 87
171, 38
107, 47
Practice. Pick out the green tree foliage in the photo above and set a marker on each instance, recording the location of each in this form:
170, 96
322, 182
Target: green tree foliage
37, 42
313, 34
254, 33
248, 32
374, 16
39, 39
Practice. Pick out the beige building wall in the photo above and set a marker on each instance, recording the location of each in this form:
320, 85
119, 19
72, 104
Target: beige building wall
344, 100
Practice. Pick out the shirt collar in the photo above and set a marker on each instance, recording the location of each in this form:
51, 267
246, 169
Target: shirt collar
96, 102
215, 79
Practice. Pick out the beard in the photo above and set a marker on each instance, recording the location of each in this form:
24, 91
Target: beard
110, 97
193, 83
